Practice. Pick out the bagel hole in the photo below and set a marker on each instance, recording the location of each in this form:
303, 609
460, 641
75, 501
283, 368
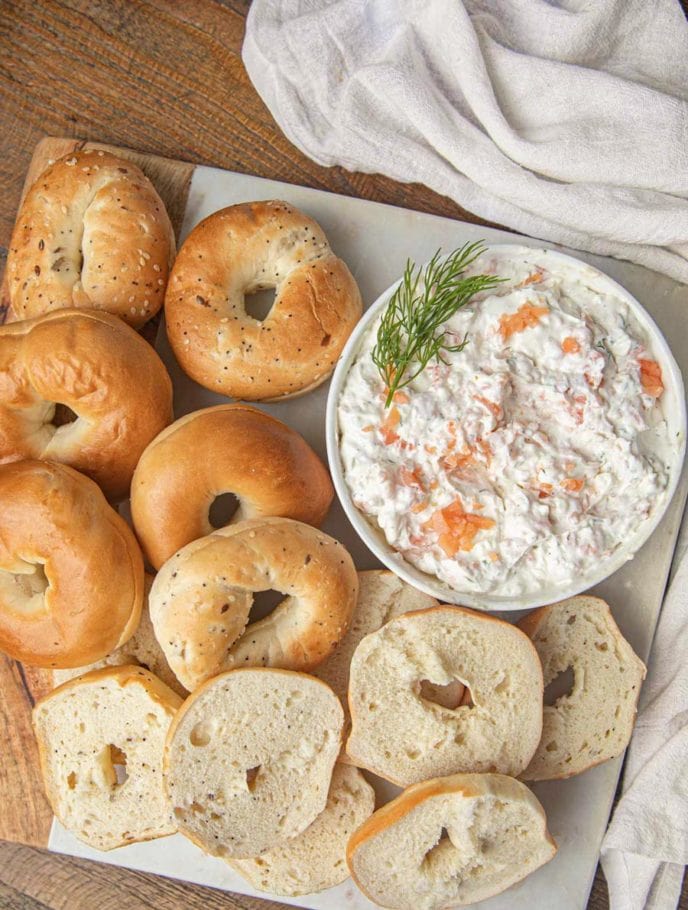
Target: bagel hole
119, 763
452, 695
201, 734
24, 592
264, 602
258, 304
251, 775
63, 415
560, 687
113, 762
439, 851
222, 509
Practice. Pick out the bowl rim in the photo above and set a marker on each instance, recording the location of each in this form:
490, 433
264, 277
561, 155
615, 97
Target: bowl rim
374, 538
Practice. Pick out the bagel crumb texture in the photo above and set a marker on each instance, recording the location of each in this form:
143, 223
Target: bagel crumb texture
463, 839
105, 784
405, 736
315, 859
249, 759
594, 721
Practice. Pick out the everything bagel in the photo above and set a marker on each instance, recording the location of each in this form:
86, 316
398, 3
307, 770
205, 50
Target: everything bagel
102, 370
243, 249
91, 233
269, 468
71, 573
201, 599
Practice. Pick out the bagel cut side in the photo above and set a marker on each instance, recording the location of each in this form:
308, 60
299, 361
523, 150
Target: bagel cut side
71, 572
230, 448
249, 759
382, 596
449, 842
100, 741
201, 599
103, 371
247, 248
594, 721
403, 732
315, 859
91, 233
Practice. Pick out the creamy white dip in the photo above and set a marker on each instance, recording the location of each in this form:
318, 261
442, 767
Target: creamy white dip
520, 464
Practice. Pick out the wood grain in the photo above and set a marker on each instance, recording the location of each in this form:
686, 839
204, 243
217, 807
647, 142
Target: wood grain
64, 883
25, 814
165, 78
159, 76
31, 879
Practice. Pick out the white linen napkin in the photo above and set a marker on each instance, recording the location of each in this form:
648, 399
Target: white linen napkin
646, 845
566, 120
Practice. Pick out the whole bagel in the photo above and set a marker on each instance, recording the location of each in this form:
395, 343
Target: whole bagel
71, 573
201, 599
243, 249
104, 372
230, 448
91, 233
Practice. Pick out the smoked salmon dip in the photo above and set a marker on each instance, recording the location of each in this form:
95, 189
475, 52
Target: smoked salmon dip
523, 461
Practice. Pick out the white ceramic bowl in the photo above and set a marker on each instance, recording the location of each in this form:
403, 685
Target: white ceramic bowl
674, 407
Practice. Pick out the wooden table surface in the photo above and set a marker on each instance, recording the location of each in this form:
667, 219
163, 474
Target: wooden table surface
166, 77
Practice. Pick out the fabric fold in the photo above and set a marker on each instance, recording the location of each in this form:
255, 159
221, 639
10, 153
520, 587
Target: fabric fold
564, 121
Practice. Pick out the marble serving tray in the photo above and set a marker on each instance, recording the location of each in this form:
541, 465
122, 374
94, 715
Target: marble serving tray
375, 240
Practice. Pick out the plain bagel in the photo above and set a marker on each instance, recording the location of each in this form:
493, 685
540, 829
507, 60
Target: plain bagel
91, 233
104, 372
71, 572
594, 721
450, 842
249, 759
201, 599
238, 251
88, 729
382, 596
406, 734
230, 448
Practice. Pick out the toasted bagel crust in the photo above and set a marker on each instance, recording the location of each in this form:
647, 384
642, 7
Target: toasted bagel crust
104, 372
71, 572
231, 448
91, 233
235, 252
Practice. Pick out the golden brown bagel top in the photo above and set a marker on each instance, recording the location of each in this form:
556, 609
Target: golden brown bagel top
104, 372
71, 573
91, 233
243, 249
229, 448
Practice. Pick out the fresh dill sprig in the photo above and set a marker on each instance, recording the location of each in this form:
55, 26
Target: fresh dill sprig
411, 331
